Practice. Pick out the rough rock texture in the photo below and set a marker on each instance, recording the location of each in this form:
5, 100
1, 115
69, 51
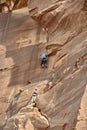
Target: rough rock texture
59, 27
7, 5
82, 114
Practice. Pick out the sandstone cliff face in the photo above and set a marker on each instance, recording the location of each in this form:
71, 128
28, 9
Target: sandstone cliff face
82, 114
59, 27
6, 5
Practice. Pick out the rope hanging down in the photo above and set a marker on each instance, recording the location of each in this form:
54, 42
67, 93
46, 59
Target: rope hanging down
5, 21
47, 39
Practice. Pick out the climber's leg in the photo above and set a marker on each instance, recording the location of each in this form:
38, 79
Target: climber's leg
42, 63
45, 63
33, 99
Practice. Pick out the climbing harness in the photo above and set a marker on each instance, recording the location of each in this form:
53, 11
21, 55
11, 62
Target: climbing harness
43, 61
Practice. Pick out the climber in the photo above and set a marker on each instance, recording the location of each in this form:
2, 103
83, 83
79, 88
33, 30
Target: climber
44, 58
34, 95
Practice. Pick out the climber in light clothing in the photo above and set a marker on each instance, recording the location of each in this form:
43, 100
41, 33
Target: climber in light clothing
34, 94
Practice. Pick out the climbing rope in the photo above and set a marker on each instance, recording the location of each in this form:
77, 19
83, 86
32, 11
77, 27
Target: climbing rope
35, 49
6, 22
47, 40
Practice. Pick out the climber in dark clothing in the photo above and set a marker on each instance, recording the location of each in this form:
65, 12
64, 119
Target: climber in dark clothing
44, 58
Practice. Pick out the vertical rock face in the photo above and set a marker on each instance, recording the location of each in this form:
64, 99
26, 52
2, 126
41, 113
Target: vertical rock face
62, 19
7, 5
82, 115
59, 28
66, 24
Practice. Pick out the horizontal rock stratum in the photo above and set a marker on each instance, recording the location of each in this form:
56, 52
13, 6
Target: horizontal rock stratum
56, 27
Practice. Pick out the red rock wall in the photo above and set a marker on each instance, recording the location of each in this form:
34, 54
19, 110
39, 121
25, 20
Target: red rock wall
66, 25
60, 29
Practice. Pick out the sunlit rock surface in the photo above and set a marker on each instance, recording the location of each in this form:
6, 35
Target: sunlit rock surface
9, 5
56, 27
82, 114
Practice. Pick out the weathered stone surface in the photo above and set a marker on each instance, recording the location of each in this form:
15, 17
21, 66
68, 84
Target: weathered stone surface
21, 113
17, 64
58, 28
82, 114
64, 20
9, 5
